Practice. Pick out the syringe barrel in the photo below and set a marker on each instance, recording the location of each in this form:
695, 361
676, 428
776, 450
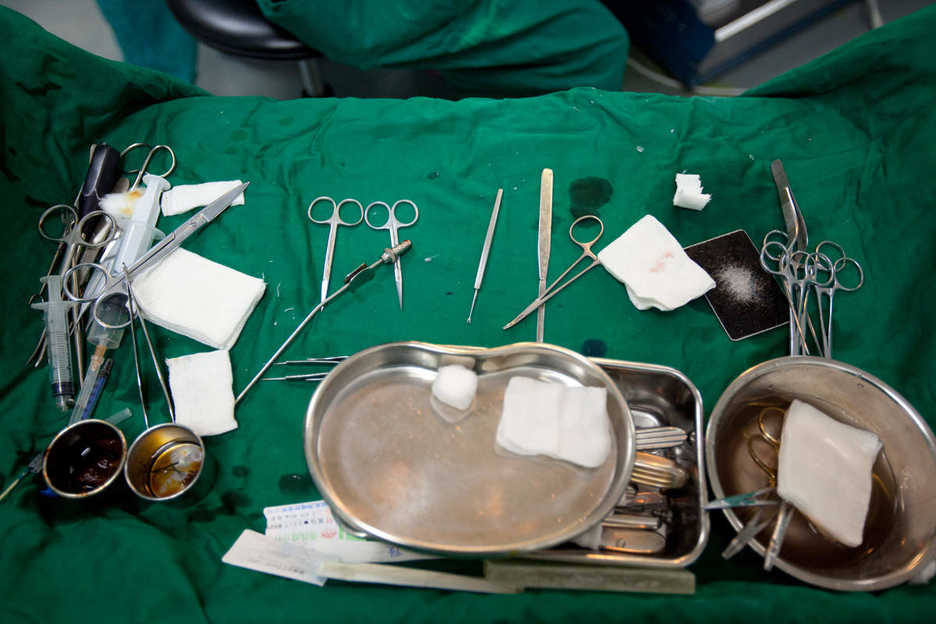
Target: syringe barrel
58, 345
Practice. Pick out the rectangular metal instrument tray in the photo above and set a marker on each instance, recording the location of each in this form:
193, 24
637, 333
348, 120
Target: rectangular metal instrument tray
390, 465
659, 395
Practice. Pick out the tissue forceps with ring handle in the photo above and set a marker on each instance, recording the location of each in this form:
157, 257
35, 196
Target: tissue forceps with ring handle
333, 222
392, 224
552, 290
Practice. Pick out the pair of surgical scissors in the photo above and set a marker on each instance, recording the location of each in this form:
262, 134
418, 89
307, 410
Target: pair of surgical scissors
764, 497
333, 222
149, 156
392, 224
553, 289
76, 231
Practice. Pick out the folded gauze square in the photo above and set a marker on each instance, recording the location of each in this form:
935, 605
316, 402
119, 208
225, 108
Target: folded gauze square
202, 394
570, 424
198, 298
653, 265
184, 197
824, 469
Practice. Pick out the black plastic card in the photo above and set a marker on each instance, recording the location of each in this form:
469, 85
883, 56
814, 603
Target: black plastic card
746, 299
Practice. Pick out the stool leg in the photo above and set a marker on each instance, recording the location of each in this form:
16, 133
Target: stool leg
311, 78
874, 14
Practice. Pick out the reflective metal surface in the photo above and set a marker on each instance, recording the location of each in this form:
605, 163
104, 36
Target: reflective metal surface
901, 525
658, 396
392, 468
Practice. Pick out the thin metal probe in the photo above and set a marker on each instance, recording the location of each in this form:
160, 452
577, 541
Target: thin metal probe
485, 251
335, 359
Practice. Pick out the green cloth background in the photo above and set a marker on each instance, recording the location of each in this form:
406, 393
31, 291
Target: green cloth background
482, 47
855, 130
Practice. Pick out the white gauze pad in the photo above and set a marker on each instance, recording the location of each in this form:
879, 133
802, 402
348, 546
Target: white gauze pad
551, 419
653, 265
184, 197
456, 386
198, 298
689, 192
202, 394
584, 431
529, 423
824, 470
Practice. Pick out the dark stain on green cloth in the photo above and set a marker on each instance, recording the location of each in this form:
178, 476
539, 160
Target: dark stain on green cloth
588, 195
594, 348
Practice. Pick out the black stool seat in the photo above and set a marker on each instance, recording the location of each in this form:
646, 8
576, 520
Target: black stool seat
238, 27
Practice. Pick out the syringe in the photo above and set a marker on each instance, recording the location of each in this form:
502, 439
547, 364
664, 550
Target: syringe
55, 311
90, 385
136, 236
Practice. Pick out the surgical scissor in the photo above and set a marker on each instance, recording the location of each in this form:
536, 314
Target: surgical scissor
76, 232
392, 224
333, 222
552, 289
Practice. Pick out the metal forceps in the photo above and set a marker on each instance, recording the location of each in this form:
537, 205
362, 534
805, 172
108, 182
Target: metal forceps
797, 270
552, 289
762, 497
392, 224
826, 288
333, 222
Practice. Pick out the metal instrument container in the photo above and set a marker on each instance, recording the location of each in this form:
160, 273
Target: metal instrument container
390, 467
659, 396
901, 526
84, 459
164, 462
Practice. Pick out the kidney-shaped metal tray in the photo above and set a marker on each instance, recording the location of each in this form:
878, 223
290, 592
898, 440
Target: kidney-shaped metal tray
391, 467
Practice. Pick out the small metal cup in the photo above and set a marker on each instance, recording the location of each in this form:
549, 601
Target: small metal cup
84, 459
164, 462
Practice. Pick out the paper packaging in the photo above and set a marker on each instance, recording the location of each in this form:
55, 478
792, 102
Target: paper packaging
202, 393
198, 298
653, 265
311, 525
255, 551
185, 197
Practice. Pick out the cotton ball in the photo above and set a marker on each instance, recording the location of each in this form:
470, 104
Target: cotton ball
455, 385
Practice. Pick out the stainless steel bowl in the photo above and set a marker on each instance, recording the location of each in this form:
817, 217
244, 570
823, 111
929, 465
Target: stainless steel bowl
900, 533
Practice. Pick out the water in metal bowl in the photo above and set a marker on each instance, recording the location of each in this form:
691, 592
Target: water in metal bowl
901, 525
